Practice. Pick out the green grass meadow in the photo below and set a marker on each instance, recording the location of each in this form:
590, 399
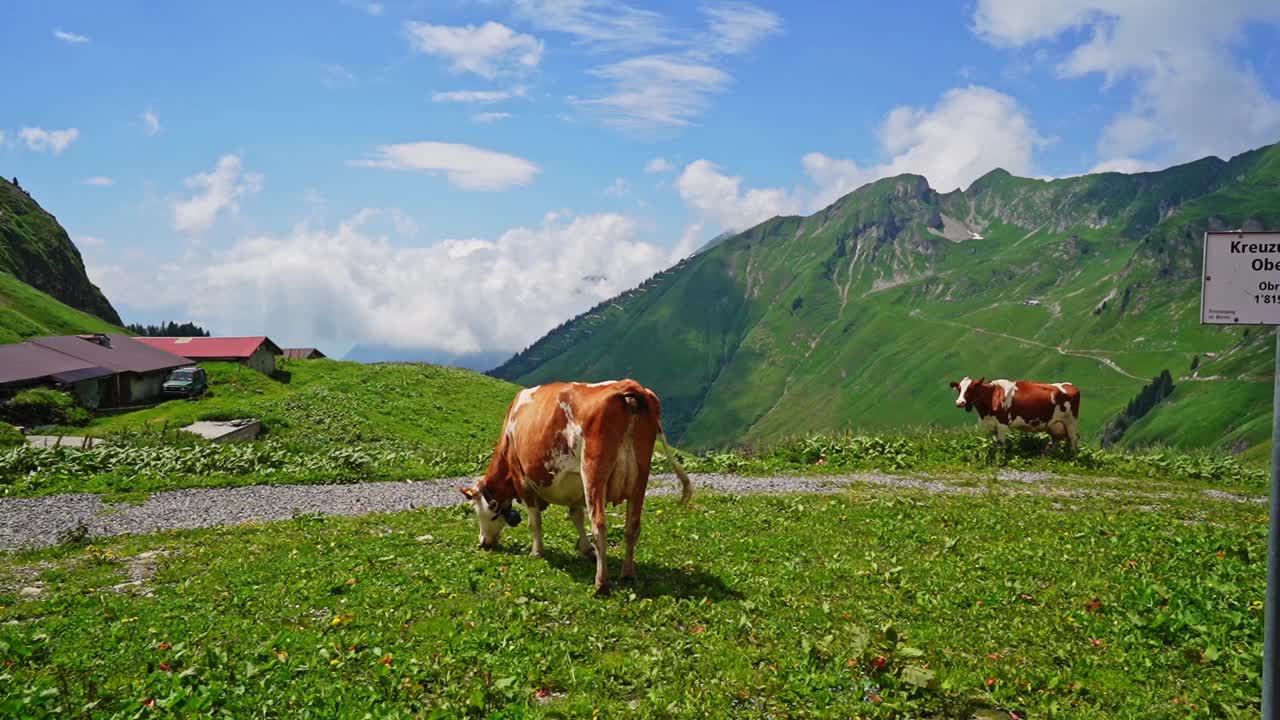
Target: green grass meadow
330, 402
1079, 601
327, 421
1025, 584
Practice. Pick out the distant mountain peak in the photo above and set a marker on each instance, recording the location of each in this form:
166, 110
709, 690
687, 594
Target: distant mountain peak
481, 361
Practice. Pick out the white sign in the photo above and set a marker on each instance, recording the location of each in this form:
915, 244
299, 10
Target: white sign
1241, 278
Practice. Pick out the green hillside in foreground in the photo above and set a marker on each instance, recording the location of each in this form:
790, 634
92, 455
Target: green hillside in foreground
860, 314
873, 602
36, 249
329, 403
26, 312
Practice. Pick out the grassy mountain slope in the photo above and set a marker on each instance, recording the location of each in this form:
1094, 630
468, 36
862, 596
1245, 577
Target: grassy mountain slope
26, 312
336, 403
327, 421
35, 249
859, 315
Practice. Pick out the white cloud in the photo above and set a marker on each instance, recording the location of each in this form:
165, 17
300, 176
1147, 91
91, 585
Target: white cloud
54, 141
98, 181
336, 75
970, 132
1, 137
733, 27
467, 167
673, 71
553, 216
485, 50
834, 177
612, 25
655, 91
691, 240
717, 197
1127, 134
355, 283
315, 201
1125, 165
478, 96
617, 188
150, 122
69, 37
485, 118
219, 190
659, 165
1193, 97
737, 27
89, 241
373, 8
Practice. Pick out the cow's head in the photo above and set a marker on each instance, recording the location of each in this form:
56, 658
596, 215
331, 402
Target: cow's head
491, 515
965, 390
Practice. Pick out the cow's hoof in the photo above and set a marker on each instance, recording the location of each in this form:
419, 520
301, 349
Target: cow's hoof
535, 553
603, 589
589, 556
628, 581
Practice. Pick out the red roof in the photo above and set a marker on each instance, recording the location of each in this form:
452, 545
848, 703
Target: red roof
212, 347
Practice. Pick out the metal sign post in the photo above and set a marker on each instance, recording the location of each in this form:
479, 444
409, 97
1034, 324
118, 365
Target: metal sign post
1271, 627
1241, 286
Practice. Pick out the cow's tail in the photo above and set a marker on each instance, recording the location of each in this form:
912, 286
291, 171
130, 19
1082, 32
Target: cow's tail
638, 404
686, 485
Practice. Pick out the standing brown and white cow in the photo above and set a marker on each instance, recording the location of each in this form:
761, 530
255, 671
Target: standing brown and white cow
1052, 408
578, 445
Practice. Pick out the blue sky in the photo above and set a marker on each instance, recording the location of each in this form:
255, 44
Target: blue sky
466, 174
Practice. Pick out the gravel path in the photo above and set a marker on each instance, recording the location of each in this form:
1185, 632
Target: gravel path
37, 522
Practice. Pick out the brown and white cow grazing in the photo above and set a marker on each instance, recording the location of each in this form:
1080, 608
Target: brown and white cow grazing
579, 445
1052, 408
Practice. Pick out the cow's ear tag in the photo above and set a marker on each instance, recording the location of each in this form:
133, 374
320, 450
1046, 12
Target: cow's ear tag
469, 492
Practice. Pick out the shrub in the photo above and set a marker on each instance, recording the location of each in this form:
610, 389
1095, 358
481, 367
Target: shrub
951, 450
43, 406
10, 437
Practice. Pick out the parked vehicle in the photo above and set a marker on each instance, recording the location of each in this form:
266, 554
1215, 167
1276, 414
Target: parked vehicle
186, 382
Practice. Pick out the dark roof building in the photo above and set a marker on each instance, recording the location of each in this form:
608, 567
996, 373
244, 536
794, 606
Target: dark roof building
25, 363
303, 354
102, 370
119, 353
72, 377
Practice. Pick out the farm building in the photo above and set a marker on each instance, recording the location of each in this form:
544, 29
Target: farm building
257, 352
23, 366
101, 370
303, 354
